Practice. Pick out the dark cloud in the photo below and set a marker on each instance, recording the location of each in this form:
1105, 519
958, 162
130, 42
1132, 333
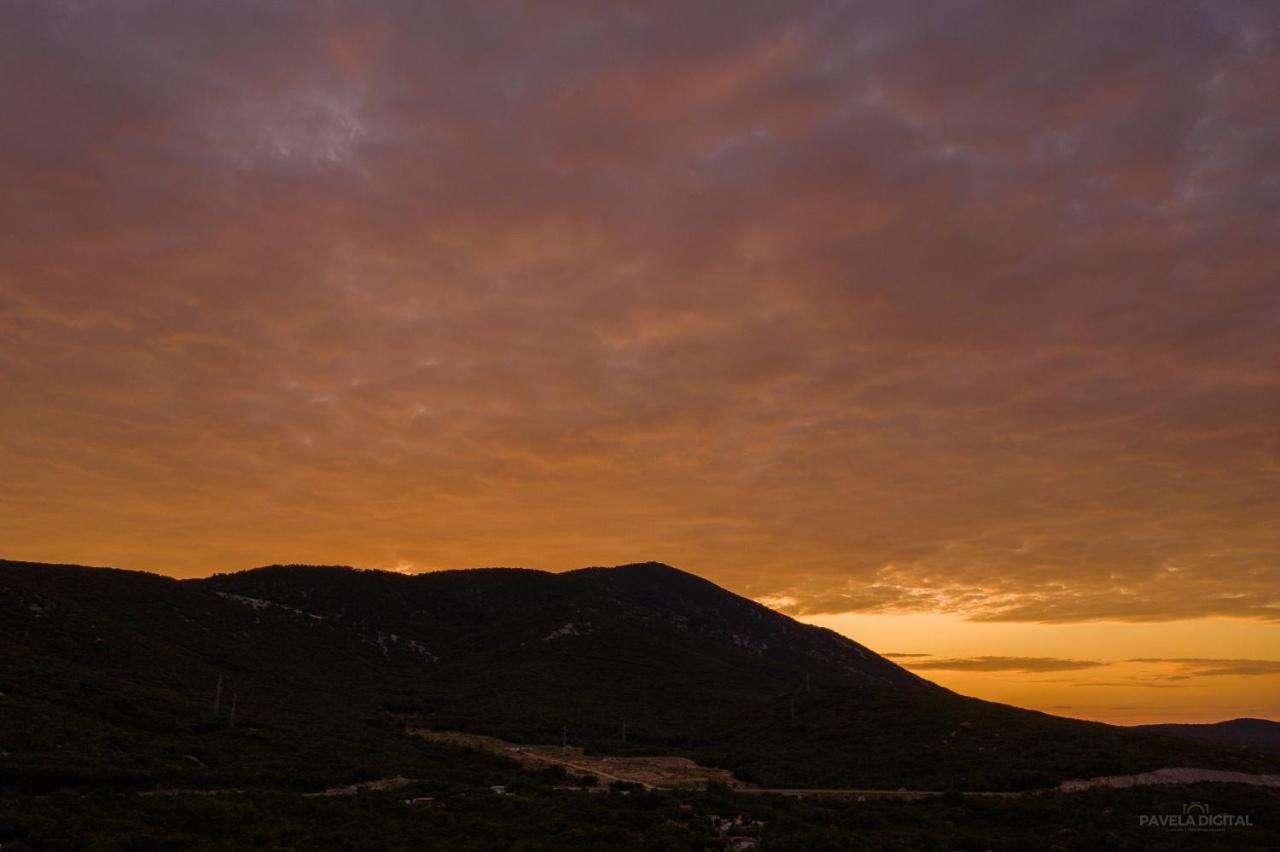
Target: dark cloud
871, 306
1197, 667
1004, 664
1148, 684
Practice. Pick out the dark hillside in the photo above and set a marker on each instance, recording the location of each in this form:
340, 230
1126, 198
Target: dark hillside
690, 668
110, 677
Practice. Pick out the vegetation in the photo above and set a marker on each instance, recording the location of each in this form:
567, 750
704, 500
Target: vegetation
540, 818
117, 685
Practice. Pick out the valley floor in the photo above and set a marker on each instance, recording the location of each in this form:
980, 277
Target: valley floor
647, 772
669, 772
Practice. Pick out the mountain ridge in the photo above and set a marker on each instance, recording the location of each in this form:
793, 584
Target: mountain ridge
634, 660
651, 590
1240, 732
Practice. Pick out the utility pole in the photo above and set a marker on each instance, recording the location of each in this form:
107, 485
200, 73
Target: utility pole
231, 723
217, 697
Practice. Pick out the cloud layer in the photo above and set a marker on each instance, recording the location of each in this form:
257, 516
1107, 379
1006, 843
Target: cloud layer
988, 663
855, 306
1200, 667
1166, 668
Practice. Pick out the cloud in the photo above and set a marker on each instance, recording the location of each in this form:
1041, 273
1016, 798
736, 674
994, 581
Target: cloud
1199, 667
1129, 683
1004, 664
874, 307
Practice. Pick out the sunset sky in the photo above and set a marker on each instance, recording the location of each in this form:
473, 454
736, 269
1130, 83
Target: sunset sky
952, 326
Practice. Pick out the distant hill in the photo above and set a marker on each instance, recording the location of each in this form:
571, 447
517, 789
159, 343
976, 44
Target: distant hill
1243, 733
110, 677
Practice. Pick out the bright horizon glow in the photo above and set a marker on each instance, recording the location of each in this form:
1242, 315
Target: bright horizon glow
1115, 691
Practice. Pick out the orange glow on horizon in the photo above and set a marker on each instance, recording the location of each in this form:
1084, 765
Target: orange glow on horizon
1197, 670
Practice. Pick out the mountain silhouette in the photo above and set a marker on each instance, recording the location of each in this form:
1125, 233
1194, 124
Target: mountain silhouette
114, 675
1243, 733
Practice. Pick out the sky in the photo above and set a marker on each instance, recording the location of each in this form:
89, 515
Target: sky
951, 325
